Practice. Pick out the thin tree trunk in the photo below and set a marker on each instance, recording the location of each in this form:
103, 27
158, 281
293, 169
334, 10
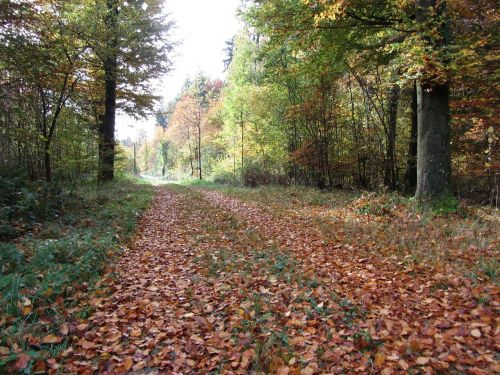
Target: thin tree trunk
47, 162
135, 160
199, 152
242, 148
190, 152
390, 176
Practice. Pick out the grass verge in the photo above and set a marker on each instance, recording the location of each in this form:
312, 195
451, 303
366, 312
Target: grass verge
43, 270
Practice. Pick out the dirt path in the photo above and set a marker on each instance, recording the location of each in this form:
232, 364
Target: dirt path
212, 284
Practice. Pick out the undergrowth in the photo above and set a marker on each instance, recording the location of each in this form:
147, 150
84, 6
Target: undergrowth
66, 237
442, 233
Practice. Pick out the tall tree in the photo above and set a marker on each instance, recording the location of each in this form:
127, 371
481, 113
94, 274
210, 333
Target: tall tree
433, 92
130, 41
110, 67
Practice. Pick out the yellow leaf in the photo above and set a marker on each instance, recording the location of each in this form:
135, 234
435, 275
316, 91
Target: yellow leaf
379, 359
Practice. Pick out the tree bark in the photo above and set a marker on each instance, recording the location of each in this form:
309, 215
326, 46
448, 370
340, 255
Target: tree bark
47, 162
411, 164
242, 124
433, 154
199, 152
107, 126
135, 160
190, 151
390, 175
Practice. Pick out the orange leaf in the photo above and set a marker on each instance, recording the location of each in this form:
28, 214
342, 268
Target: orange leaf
379, 359
51, 339
127, 363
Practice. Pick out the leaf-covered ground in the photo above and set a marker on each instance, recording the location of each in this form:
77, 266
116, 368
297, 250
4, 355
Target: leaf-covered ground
228, 282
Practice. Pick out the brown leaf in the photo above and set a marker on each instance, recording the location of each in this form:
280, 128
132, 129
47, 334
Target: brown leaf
283, 370
86, 344
51, 339
22, 361
128, 363
64, 329
403, 364
82, 327
422, 361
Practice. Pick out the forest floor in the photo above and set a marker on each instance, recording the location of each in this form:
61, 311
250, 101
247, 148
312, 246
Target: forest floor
291, 281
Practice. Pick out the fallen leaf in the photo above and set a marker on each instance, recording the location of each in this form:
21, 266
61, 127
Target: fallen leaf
128, 363
283, 370
22, 361
86, 344
403, 364
476, 333
379, 359
64, 329
82, 327
51, 339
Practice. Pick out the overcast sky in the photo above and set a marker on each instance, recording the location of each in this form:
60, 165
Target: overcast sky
202, 27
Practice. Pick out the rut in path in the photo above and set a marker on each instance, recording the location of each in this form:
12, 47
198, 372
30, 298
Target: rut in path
212, 285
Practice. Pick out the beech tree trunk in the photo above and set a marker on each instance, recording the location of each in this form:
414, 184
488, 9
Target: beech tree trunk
390, 175
433, 145
107, 126
411, 163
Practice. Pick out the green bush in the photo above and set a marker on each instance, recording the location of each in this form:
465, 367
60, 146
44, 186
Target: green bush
23, 203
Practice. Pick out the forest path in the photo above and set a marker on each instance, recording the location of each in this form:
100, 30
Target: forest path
214, 284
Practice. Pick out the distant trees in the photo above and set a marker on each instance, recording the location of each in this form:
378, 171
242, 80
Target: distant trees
183, 139
352, 94
72, 64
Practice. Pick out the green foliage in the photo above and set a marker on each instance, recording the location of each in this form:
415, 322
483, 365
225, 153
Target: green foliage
445, 205
24, 204
66, 253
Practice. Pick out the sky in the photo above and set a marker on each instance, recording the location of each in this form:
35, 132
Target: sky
202, 28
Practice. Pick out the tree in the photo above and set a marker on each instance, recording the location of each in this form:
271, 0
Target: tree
130, 41
46, 58
433, 145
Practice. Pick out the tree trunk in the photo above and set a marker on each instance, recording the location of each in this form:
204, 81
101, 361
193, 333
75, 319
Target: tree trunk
190, 151
242, 148
47, 162
433, 154
107, 126
164, 148
135, 159
411, 164
199, 152
390, 175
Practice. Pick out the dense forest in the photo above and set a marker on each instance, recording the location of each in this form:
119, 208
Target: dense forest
66, 68
326, 205
350, 94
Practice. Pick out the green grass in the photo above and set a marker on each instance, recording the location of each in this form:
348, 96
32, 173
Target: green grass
64, 254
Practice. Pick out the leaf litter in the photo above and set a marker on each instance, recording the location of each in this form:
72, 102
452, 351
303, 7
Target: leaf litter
213, 284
